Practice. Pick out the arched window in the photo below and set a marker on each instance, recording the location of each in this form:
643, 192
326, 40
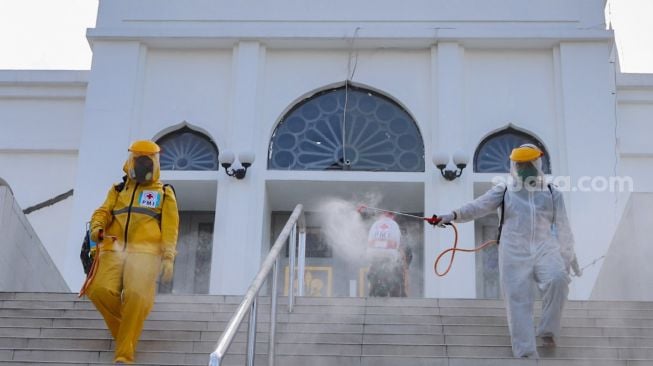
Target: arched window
374, 134
492, 154
187, 149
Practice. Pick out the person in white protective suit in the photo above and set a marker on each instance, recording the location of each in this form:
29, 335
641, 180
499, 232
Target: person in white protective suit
535, 245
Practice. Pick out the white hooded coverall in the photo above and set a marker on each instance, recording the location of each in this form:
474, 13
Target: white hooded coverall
536, 245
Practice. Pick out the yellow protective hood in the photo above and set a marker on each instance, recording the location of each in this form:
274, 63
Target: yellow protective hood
143, 149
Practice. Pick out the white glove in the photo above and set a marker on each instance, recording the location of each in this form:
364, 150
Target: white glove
576, 268
446, 218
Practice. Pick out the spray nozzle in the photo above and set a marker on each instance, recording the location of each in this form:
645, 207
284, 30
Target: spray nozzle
433, 220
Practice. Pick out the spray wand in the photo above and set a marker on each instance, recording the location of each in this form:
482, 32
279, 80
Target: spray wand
434, 221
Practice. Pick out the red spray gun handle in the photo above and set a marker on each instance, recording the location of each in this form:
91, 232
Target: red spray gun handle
433, 220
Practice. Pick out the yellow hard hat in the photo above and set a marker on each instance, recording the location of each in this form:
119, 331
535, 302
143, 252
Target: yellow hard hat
525, 153
144, 147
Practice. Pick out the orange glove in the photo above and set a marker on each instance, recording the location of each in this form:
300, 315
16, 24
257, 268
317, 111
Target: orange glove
97, 235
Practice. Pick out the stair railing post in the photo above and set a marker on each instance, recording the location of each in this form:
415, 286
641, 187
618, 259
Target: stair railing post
292, 258
273, 314
251, 334
302, 261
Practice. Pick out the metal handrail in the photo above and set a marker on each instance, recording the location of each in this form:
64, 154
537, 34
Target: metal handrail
249, 303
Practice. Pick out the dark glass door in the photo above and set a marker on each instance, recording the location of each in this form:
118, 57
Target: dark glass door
194, 251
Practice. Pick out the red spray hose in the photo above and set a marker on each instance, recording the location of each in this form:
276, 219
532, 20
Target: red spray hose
455, 249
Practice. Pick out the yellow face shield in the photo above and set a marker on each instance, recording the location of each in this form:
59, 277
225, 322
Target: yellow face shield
526, 165
526, 153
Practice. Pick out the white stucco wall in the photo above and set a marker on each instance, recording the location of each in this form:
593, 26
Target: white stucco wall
635, 108
626, 266
184, 85
36, 177
587, 113
41, 114
24, 264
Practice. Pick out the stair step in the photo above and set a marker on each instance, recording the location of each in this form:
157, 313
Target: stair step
58, 329
374, 361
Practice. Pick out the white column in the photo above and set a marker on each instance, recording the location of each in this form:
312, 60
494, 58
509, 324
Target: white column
109, 117
442, 196
431, 186
589, 115
558, 157
240, 203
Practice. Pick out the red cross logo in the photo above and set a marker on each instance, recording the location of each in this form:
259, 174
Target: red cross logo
149, 196
384, 226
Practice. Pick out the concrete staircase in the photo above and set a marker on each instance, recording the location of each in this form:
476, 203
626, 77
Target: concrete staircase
59, 329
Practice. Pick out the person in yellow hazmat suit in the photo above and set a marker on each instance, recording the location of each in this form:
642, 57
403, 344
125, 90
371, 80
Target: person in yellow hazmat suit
136, 230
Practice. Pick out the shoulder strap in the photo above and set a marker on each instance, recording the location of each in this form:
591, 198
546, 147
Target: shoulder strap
120, 186
503, 206
553, 202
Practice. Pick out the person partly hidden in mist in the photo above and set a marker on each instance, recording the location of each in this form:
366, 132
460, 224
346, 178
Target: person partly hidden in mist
535, 245
388, 258
136, 230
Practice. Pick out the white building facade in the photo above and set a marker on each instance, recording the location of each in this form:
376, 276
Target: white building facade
473, 76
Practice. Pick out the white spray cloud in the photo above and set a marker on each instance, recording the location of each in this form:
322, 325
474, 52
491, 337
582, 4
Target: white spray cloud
344, 228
